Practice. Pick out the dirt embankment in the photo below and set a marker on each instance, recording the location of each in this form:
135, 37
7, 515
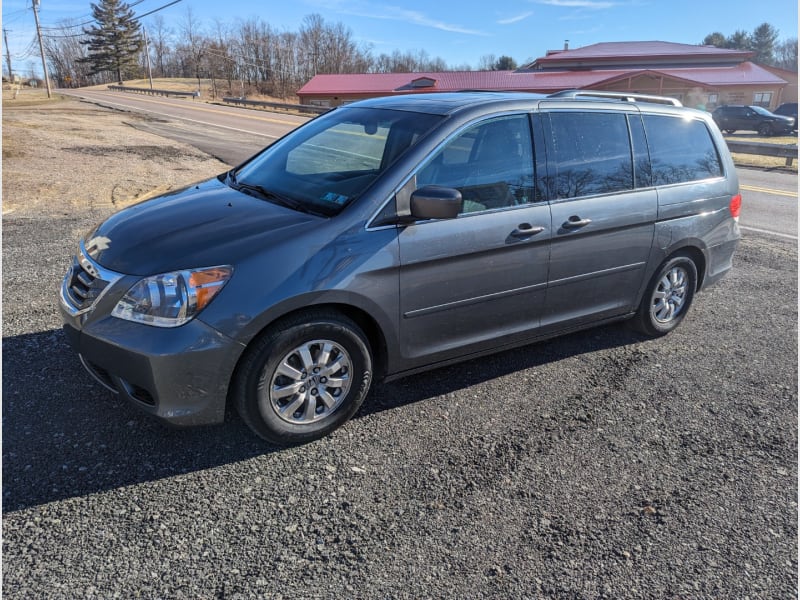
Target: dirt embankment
66, 155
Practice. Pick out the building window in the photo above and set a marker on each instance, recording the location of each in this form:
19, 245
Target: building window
762, 99
713, 101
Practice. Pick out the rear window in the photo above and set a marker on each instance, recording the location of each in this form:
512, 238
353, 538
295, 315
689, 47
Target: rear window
681, 150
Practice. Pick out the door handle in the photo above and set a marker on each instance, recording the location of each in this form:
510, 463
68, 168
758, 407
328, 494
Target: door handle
575, 222
524, 230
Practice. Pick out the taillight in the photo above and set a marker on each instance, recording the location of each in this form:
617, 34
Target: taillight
736, 206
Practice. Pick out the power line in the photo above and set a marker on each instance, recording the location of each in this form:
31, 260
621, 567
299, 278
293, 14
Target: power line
90, 21
157, 9
137, 18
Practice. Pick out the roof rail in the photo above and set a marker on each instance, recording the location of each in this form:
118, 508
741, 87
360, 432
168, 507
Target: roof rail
628, 97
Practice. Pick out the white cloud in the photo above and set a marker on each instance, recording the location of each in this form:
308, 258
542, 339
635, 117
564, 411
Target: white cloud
592, 4
516, 19
392, 13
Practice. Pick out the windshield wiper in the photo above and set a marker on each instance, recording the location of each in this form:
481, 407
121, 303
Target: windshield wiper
269, 195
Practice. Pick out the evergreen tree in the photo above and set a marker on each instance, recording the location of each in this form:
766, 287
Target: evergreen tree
763, 43
740, 40
715, 39
114, 41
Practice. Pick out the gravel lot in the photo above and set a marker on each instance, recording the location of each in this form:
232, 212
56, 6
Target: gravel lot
600, 465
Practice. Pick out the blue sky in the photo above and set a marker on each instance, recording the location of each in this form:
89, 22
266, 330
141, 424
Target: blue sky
459, 31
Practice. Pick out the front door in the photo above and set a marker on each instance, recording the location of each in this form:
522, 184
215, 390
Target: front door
479, 280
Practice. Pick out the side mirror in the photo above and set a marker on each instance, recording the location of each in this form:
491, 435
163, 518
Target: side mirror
435, 202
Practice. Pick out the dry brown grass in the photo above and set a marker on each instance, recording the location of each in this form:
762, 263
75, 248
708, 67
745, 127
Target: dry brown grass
28, 97
66, 155
178, 84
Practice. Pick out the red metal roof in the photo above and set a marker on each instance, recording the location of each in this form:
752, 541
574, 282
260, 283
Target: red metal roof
647, 50
542, 81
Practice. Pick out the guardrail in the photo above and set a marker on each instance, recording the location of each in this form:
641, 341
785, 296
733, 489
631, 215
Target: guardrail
153, 92
789, 152
303, 108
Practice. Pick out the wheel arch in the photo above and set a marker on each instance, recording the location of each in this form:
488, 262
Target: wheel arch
698, 258
366, 322
692, 248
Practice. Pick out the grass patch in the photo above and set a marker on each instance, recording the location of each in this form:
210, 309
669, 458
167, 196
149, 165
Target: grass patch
190, 84
28, 97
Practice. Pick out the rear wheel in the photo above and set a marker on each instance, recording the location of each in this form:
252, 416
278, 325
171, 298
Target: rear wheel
303, 378
668, 297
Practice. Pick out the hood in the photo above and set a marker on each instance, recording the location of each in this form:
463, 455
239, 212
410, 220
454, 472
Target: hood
204, 225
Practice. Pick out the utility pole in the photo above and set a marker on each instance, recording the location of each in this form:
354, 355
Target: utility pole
147, 53
8, 57
41, 47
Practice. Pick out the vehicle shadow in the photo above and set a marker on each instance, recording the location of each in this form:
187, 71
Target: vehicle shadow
65, 436
444, 380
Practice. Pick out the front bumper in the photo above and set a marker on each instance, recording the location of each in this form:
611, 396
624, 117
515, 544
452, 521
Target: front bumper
180, 375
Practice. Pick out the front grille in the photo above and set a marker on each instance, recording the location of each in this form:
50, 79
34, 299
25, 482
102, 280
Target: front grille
85, 283
81, 287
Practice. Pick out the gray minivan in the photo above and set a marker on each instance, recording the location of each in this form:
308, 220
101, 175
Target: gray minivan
395, 235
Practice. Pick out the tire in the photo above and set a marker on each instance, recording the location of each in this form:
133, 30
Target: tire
730, 131
303, 378
765, 129
667, 298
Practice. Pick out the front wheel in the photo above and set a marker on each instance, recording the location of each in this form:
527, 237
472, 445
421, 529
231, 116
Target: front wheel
765, 129
668, 297
303, 378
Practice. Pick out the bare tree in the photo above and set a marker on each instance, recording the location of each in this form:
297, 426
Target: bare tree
194, 43
159, 36
786, 54
66, 56
487, 62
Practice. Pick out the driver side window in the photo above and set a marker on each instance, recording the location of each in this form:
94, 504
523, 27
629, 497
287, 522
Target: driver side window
490, 163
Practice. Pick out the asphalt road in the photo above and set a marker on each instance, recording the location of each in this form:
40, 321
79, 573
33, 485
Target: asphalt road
599, 465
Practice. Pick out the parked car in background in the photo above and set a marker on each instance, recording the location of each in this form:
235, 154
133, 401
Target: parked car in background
788, 109
400, 234
731, 118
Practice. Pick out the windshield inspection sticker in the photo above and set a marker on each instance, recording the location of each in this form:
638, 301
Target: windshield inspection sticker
335, 198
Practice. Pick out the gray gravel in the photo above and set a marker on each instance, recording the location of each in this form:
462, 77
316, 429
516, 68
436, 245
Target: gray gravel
600, 465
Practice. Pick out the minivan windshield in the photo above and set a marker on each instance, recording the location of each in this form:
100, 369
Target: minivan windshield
329, 162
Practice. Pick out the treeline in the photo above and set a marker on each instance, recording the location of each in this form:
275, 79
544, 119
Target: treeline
250, 54
762, 42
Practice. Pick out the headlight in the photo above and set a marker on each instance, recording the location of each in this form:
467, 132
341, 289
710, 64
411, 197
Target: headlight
172, 299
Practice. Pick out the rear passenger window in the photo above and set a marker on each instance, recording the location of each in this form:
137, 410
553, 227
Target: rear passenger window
681, 150
591, 154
